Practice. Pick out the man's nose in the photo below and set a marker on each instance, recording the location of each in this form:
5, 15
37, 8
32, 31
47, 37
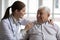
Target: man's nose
38, 15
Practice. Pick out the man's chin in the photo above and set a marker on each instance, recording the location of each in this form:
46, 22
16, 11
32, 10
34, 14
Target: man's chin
21, 17
44, 20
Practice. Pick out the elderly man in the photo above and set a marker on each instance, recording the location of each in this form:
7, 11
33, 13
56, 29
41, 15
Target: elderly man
42, 29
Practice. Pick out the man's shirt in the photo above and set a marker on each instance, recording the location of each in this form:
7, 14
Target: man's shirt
44, 31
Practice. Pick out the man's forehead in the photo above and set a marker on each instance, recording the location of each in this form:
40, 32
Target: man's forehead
45, 9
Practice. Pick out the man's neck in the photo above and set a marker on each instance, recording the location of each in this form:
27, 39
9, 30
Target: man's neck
41, 22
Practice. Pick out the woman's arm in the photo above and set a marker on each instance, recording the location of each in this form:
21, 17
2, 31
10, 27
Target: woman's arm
24, 32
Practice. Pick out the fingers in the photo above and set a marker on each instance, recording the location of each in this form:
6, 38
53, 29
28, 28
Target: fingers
29, 26
51, 21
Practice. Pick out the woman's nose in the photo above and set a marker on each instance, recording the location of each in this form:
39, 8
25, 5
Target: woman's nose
24, 13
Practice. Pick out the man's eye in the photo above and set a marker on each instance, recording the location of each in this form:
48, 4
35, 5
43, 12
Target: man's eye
40, 13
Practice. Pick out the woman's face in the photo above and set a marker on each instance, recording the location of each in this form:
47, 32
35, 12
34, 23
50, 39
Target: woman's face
21, 13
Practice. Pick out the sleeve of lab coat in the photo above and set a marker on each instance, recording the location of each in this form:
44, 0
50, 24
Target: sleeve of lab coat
5, 32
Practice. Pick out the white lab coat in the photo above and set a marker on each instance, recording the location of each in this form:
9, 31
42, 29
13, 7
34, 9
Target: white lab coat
9, 30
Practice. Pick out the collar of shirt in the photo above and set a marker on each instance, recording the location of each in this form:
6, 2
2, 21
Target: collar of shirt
41, 24
44, 24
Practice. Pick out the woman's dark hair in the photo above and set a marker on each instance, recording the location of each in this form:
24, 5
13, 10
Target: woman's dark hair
16, 5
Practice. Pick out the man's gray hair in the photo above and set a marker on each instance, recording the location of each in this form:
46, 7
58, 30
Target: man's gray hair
45, 8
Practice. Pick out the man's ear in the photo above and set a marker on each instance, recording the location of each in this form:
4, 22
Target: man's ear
48, 14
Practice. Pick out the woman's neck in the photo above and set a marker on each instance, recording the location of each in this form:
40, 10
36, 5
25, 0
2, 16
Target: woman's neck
16, 17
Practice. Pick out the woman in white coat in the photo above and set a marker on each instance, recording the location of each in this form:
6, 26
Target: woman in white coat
11, 24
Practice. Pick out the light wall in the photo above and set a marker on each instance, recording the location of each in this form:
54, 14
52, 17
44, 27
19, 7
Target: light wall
0, 8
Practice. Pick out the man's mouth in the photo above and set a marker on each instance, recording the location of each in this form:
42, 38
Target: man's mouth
41, 18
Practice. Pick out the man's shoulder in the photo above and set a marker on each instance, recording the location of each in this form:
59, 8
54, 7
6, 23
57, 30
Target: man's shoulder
54, 26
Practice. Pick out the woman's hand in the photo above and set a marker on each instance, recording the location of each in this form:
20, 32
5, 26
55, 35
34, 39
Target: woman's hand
29, 26
51, 21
